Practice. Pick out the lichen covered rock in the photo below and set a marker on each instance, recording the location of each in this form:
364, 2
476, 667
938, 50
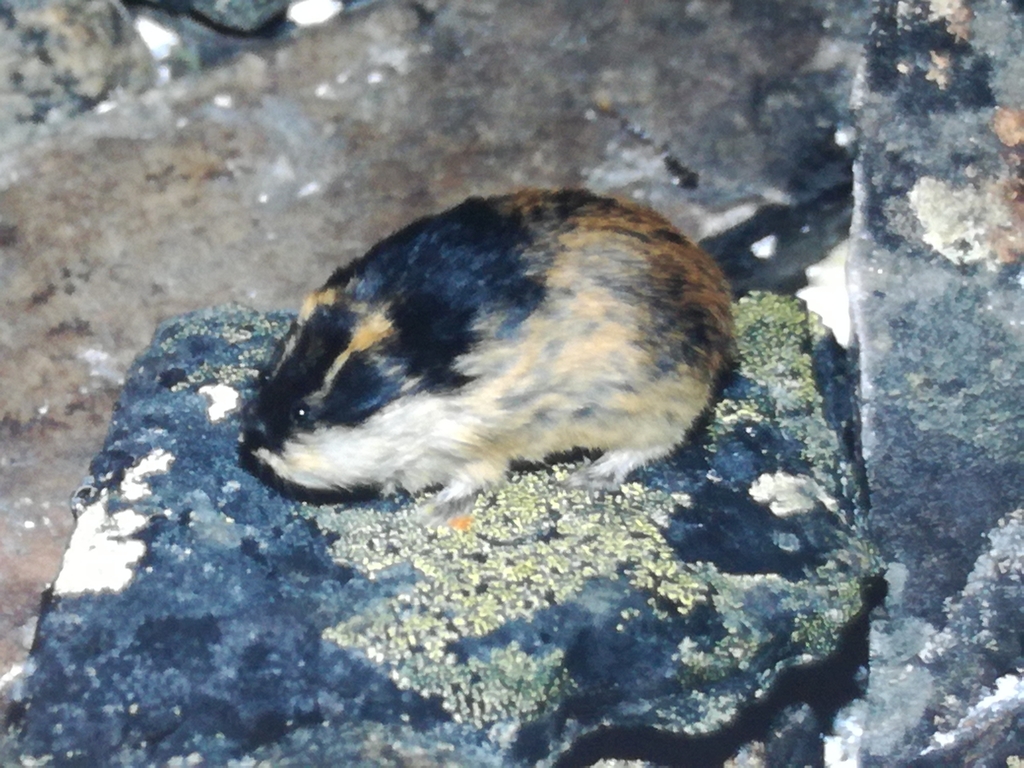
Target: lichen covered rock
201, 612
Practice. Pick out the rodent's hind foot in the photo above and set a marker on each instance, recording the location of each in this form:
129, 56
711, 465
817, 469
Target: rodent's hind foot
610, 471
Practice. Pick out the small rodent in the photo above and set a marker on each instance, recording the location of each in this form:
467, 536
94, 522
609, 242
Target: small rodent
506, 328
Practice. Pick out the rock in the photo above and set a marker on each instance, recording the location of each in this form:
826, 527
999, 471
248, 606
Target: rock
61, 58
938, 302
973, 662
236, 16
240, 15
794, 740
199, 612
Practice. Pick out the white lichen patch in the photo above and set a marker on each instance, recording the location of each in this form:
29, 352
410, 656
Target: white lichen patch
959, 222
843, 747
993, 709
307, 13
1002, 563
826, 293
101, 553
955, 13
134, 487
11, 676
766, 247
223, 400
786, 494
161, 41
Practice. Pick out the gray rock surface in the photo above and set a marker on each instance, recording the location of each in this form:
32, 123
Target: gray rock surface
938, 305
61, 58
252, 182
236, 15
199, 612
237, 18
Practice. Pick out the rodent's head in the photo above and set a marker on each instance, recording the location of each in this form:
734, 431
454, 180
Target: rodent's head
331, 370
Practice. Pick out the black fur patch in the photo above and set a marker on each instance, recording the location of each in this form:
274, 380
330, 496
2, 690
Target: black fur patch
431, 335
439, 275
361, 389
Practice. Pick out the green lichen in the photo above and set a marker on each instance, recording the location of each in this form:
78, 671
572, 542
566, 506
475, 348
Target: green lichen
533, 543
773, 336
835, 596
819, 606
705, 713
237, 326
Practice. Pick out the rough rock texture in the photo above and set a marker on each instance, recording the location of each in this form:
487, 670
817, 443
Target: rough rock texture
198, 611
61, 58
252, 182
938, 303
235, 16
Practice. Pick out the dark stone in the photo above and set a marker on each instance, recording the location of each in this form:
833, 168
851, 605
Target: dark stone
199, 611
239, 15
937, 304
803, 233
62, 58
211, 31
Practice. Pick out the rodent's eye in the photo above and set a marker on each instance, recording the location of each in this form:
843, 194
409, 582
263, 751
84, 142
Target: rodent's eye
302, 414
